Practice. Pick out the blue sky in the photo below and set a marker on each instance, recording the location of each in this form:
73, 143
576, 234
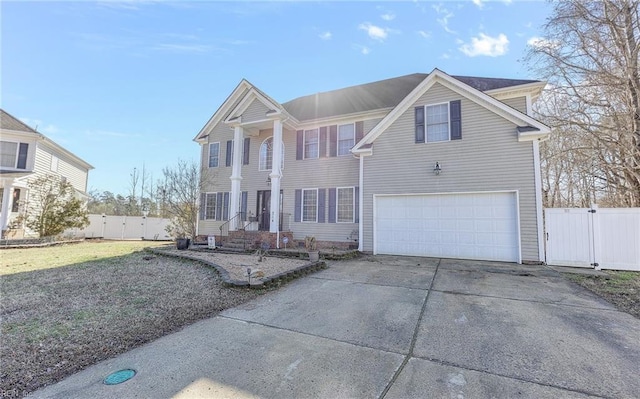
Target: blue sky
125, 83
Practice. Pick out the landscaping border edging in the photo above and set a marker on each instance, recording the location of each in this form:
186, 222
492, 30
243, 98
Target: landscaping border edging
274, 280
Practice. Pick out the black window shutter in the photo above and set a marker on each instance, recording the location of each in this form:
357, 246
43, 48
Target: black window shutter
297, 214
22, 156
219, 206
225, 207
356, 208
243, 205
333, 140
332, 205
229, 152
419, 119
322, 149
245, 154
203, 205
359, 130
455, 117
299, 144
321, 204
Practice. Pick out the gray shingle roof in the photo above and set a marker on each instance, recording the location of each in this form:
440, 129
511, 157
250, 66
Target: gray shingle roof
9, 122
377, 95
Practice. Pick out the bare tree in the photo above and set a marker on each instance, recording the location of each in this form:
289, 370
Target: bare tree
181, 189
589, 55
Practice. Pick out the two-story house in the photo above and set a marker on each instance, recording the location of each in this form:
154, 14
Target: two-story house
24, 154
422, 164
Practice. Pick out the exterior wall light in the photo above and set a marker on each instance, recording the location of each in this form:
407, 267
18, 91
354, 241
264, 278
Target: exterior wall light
437, 169
269, 181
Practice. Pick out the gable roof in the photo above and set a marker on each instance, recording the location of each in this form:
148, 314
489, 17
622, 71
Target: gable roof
454, 83
9, 122
382, 94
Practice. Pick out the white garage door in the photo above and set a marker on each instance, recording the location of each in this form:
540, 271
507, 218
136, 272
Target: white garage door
467, 226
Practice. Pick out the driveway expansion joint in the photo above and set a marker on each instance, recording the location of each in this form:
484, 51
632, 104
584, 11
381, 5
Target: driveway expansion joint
414, 338
366, 283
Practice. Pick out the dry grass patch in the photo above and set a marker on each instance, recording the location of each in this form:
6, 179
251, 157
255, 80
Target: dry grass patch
57, 321
618, 287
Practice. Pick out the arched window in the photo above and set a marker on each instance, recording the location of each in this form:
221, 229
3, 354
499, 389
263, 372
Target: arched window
266, 154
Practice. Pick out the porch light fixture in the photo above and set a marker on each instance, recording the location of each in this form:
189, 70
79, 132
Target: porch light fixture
269, 181
437, 169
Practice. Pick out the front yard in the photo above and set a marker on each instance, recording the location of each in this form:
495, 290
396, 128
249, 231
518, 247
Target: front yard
618, 287
67, 307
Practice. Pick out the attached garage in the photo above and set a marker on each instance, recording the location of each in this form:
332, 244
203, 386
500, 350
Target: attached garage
476, 225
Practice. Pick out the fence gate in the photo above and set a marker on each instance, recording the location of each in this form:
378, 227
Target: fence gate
606, 238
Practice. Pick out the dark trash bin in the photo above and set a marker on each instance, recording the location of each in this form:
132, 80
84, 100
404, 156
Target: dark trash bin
182, 243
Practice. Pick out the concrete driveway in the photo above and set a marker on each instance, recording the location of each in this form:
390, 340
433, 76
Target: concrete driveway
392, 327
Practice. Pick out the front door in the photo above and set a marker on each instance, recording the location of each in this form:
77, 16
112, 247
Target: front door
263, 210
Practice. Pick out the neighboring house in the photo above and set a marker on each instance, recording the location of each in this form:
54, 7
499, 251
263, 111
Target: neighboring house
423, 164
25, 154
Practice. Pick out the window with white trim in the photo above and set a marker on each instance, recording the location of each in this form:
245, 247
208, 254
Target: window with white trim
310, 205
346, 138
266, 154
311, 145
437, 122
345, 204
214, 155
8, 154
210, 206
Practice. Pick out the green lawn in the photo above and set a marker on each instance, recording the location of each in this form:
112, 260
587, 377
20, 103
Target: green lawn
17, 260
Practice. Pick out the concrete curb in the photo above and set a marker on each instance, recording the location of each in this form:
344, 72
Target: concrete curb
270, 281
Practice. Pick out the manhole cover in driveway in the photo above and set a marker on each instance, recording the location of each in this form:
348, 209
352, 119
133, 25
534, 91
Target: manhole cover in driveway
119, 377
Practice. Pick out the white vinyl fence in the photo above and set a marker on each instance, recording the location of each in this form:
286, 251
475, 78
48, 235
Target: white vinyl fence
604, 238
125, 228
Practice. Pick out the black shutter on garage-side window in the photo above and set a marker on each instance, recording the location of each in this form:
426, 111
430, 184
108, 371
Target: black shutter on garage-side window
297, 213
359, 130
22, 156
455, 117
356, 208
229, 152
332, 205
322, 146
419, 124
299, 144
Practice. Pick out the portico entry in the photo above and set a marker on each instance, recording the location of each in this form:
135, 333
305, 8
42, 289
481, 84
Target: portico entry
263, 210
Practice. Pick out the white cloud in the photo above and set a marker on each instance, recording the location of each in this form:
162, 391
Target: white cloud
478, 3
365, 50
183, 48
325, 35
424, 34
374, 32
486, 45
445, 15
445, 56
540, 42
388, 16
361, 49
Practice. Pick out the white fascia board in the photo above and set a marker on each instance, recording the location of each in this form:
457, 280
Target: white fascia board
242, 106
222, 110
532, 89
344, 119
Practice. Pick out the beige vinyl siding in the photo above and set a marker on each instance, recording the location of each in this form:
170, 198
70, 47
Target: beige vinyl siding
488, 158
256, 111
519, 103
75, 175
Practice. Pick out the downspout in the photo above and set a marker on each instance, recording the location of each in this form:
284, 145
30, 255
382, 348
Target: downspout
361, 207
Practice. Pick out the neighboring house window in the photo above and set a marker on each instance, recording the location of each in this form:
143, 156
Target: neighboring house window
437, 122
346, 138
311, 143
345, 205
210, 206
54, 163
15, 204
8, 154
310, 205
214, 155
266, 155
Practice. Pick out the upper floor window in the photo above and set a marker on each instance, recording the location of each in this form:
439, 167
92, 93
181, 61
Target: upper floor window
266, 155
311, 146
214, 155
438, 122
13, 155
346, 138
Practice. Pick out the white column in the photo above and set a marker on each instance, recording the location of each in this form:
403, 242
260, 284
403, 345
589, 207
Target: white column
236, 176
275, 175
7, 196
